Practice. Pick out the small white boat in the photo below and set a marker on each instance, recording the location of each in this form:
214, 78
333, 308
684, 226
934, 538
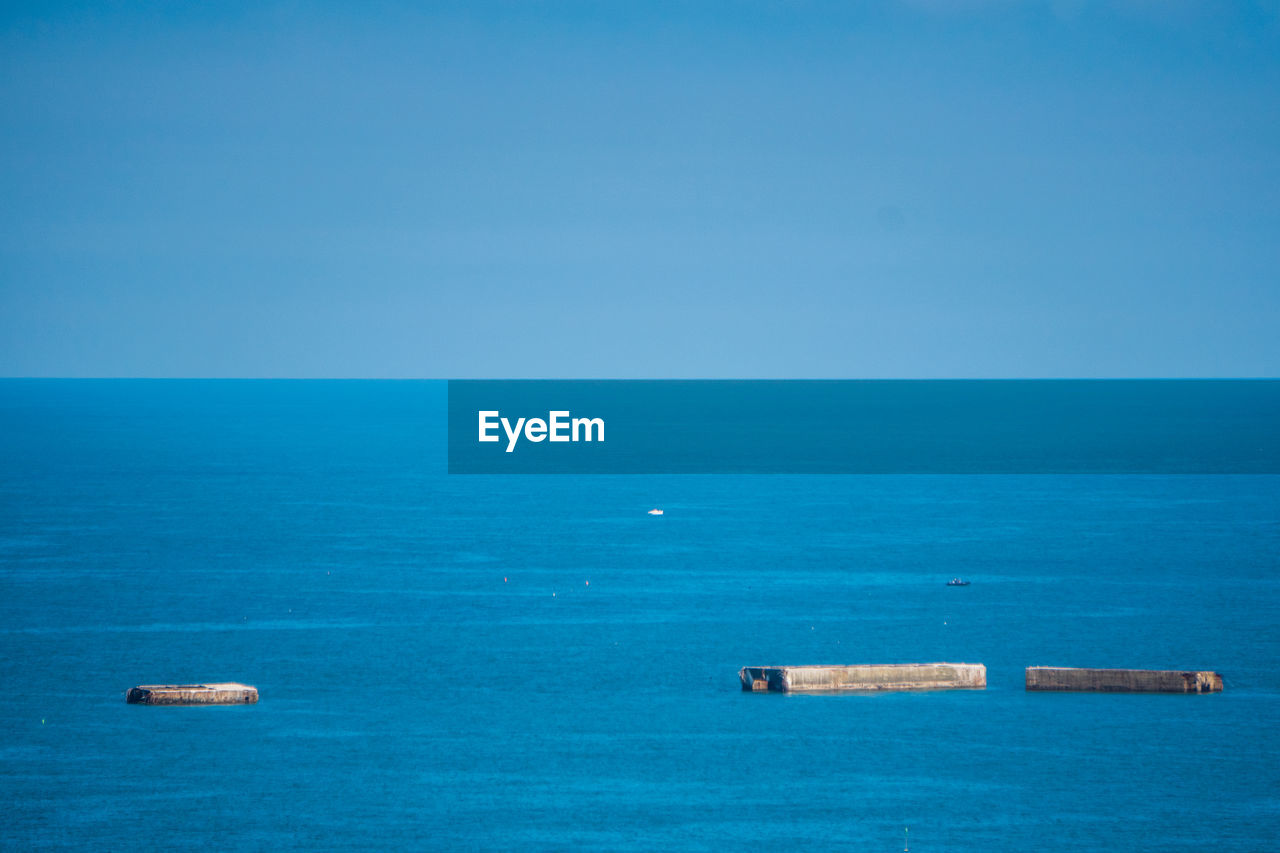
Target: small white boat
655, 511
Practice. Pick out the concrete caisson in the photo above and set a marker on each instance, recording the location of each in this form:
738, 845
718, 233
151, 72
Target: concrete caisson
1055, 678
898, 676
223, 693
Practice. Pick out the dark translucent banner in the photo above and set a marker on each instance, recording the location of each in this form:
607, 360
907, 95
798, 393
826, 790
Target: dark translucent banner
864, 426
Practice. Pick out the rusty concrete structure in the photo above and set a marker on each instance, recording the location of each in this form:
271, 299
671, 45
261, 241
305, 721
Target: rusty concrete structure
223, 693
865, 677
1053, 678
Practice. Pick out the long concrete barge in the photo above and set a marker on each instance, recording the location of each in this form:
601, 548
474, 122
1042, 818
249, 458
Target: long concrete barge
223, 693
894, 676
1123, 680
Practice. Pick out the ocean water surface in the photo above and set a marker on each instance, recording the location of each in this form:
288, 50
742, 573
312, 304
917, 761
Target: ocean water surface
499, 663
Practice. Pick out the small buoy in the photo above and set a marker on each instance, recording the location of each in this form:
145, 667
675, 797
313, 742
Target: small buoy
42, 721
504, 580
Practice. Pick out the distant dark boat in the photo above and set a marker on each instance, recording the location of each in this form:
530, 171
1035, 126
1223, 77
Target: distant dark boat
957, 582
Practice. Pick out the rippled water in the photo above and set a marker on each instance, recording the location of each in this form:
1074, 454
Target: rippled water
534, 662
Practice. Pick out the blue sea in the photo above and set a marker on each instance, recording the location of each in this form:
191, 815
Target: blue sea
534, 663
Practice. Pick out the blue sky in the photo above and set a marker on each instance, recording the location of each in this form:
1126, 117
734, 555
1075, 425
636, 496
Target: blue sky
911, 189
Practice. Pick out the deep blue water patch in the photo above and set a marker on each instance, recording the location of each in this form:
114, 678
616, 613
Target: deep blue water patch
504, 663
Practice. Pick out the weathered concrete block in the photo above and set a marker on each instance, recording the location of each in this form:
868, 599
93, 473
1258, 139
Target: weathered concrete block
225, 693
900, 676
1123, 680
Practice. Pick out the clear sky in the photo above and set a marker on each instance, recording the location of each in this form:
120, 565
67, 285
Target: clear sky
760, 189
